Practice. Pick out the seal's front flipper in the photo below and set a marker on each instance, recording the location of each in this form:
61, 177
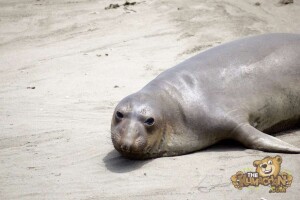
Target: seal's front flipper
255, 139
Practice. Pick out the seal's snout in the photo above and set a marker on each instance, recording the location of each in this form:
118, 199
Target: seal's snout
135, 128
128, 135
128, 143
125, 147
132, 142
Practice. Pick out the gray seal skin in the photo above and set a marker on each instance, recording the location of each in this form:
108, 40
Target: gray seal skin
244, 90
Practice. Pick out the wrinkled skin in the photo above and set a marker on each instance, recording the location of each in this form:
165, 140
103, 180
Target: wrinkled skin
240, 90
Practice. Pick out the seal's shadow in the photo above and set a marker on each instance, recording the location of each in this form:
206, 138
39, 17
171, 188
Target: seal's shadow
226, 145
114, 162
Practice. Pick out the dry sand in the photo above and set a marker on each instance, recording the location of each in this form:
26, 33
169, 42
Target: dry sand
65, 64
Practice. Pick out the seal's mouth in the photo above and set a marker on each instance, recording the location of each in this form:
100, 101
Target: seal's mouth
139, 155
135, 155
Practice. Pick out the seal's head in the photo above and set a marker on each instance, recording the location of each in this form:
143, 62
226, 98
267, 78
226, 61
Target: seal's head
137, 127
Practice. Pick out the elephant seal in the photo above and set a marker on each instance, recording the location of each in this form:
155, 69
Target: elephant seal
244, 90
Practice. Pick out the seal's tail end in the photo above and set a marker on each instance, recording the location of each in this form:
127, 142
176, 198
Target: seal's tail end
255, 139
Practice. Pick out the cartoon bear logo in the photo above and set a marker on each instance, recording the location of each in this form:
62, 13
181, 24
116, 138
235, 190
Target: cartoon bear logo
268, 166
267, 173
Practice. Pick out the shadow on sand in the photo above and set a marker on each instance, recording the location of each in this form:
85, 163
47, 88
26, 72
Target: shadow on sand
114, 162
225, 145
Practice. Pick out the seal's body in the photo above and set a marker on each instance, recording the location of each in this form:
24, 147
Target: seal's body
239, 90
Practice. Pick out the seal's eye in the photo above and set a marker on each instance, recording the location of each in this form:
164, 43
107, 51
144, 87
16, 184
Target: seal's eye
270, 162
149, 121
119, 115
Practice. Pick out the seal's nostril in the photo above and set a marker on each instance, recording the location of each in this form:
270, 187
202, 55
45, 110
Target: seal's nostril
125, 147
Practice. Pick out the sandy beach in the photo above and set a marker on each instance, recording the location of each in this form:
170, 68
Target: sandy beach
64, 66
